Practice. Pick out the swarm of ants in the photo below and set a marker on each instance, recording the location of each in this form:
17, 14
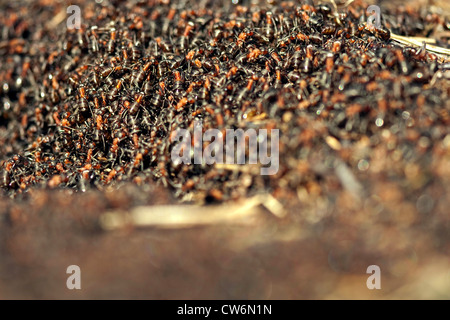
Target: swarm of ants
90, 107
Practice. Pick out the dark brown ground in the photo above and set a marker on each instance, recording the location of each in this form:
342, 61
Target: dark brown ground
320, 250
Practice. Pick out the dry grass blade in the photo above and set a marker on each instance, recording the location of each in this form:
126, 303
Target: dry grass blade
336, 7
57, 19
349, 181
418, 42
185, 216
